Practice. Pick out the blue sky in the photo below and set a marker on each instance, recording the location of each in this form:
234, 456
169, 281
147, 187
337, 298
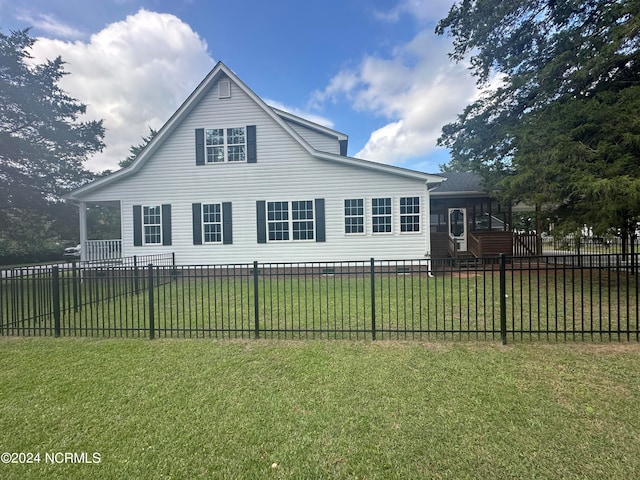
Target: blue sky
372, 69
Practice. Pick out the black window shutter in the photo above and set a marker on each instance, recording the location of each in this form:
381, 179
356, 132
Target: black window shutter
197, 223
137, 225
262, 221
343, 147
252, 150
321, 235
166, 224
227, 224
199, 146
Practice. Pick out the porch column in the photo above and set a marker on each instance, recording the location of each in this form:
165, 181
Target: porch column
82, 211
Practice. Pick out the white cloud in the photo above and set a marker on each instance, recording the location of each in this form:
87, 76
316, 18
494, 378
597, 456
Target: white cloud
51, 25
133, 74
417, 90
424, 11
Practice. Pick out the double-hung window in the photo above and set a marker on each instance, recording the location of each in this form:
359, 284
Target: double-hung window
353, 216
302, 216
212, 222
381, 215
410, 214
152, 225
226, 145
278, 220
290, 220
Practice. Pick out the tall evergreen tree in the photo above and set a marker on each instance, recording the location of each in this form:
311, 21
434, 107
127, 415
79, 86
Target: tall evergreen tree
563, 128
43, 145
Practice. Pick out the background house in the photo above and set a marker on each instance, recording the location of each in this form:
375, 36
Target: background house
229, 179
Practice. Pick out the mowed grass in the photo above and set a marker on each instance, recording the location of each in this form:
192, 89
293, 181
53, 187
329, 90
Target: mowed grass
318, 409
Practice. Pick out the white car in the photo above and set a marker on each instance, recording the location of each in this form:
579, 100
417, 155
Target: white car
72, 252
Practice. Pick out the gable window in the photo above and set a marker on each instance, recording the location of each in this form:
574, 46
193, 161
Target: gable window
354, 216
410, 214
381, 215
152, 225
225, 145
290, 220
212, 222
224, 89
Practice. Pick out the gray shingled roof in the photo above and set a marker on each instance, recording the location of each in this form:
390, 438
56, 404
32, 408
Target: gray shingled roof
462, 182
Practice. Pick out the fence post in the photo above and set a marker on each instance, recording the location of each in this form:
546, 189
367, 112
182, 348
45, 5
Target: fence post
74, 284
256, 302
55, 272
136, 275
503, 298
578, 245
152, 320
373, 300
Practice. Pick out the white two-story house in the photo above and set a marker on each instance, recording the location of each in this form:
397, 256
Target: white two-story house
229, 179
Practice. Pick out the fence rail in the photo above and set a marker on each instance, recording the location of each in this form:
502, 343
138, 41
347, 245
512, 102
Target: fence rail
549, 298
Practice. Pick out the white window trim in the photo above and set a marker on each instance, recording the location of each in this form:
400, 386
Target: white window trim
401, 215
391, 215
291, 221
225, 145
145, 225
364, 218
202, 223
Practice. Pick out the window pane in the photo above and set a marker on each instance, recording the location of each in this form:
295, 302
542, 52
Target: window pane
152, 234
212, 233
381, 215
302, 215
236, 154
215, 154
212, 222
278, 220
410, 214
354, 216
235, 136
215, 136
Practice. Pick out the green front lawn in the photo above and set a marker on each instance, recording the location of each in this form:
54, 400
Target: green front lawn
316, 409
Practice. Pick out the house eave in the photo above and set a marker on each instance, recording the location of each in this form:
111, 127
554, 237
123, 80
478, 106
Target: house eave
428, 178
330, 132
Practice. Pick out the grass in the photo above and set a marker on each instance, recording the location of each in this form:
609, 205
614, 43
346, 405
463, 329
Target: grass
317, 409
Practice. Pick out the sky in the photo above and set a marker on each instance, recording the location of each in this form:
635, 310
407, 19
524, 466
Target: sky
372, 69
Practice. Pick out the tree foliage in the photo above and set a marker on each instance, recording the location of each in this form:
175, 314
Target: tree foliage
135, 150
43, 145
562, 127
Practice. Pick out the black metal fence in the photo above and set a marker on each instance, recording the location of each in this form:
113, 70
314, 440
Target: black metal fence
549, 298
